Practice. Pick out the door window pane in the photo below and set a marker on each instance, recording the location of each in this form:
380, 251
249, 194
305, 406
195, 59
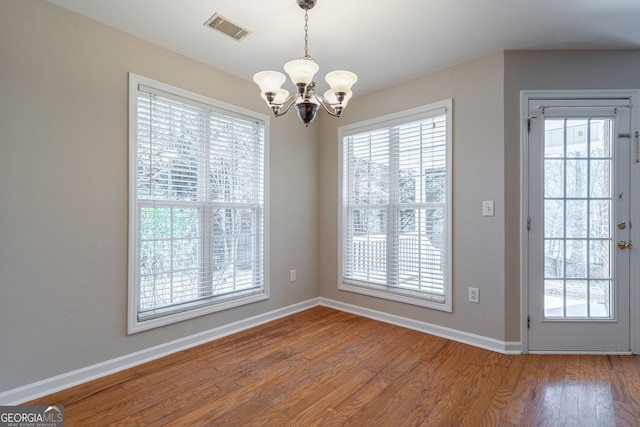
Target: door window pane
577, 138
600, 259
553, 218
554, 258
600, 298
554, 298
600, 218
576, 259
554, 138
554, 178
576, 218
601, 137
600, 178
577, 178
576, 301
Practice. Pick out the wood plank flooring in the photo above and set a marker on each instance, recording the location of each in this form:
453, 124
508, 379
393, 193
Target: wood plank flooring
324, 367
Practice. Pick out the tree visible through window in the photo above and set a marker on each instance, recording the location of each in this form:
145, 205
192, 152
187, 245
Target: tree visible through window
197, 238
395, 207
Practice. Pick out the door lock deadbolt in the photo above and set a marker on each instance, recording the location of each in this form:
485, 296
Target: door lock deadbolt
624, 245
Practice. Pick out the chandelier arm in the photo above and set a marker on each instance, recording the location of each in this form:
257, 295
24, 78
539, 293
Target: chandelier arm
329, 107
291, 100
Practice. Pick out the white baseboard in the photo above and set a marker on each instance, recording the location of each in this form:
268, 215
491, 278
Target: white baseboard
504, 347
51, 385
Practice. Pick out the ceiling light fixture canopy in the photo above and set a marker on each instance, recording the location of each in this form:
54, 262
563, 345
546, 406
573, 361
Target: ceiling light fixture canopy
301, 72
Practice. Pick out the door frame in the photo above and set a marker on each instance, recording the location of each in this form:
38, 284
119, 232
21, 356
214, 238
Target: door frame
634, 274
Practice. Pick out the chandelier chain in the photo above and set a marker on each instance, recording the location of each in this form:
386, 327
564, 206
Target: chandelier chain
306, 33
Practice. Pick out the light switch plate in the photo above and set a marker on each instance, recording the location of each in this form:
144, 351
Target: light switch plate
488, 208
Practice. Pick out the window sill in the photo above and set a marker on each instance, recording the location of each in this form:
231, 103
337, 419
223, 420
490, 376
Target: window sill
136, 325
399, 295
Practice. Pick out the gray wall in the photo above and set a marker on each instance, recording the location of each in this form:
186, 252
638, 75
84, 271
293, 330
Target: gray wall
478, 174
63, 192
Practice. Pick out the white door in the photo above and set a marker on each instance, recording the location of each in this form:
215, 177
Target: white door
579, 226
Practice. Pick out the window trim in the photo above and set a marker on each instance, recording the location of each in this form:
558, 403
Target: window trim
384, 291
134, 324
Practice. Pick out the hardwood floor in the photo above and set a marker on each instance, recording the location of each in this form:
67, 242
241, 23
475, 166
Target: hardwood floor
324, 367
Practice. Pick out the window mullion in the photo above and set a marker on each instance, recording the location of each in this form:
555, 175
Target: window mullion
205, 274
258, 220
171, 250
348, 207
420, 214
392, 209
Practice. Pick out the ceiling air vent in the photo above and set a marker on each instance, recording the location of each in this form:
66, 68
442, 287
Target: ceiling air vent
226, 27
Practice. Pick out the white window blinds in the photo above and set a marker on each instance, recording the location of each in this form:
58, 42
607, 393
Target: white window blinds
395, 215
199, 208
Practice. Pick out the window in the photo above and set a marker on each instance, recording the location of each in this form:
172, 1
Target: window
197, 234
396, 207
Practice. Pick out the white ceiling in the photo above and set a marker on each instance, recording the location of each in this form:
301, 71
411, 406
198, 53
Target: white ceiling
383, 42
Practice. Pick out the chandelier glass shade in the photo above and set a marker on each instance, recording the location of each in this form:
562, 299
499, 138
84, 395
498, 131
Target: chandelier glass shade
301, 72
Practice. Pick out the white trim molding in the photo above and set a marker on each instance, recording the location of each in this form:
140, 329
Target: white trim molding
504, 347
60, 382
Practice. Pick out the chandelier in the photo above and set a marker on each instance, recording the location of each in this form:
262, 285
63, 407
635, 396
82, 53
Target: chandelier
301, 72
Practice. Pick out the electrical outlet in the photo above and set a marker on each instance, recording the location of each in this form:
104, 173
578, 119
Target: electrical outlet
474, 295
292, 276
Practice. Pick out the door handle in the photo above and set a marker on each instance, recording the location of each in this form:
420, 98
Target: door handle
625, 245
